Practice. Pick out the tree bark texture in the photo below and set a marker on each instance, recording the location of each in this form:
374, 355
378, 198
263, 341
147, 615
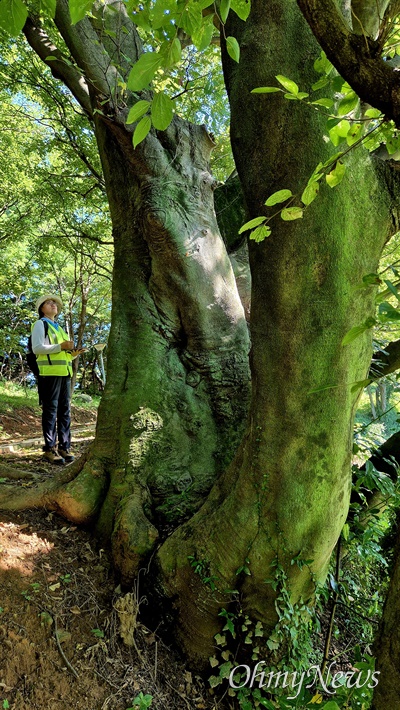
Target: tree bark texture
286, 494
177, 388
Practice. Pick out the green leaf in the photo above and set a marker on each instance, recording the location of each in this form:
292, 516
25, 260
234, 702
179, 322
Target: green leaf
242, 8
326, 103
225, 669
347, 104
233, 48
387, 313
393, 289
252, 223
330, 705
322, 388
78, 9
265, 90
49, 7
358, 330
322, 65
191, 18
161, 13
162, 111
346, 531
171, 53
220, 640
272, 645
296, 97
371, 280
137, 111
290, 213
320, 84
310, 192
141, 130
224, 8
143, 71
339, 131
203, 36
360, 385
336, 175
354, 133
288, 84
277, 197
141, 19
258, 235
373, 113
214, 681
13, 14
338, 84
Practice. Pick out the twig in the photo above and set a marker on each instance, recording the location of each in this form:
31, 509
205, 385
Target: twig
62, 654
332, 614
357, 613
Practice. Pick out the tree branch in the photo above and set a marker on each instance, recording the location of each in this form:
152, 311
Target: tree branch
387, 361
89, 54
356, 57
60, 67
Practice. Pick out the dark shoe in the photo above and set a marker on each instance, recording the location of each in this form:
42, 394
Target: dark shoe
68, 458
53, 457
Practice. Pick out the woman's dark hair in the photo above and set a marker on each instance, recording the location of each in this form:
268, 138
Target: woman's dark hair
41, 314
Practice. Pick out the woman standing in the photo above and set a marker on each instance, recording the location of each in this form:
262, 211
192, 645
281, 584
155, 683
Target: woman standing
54, 354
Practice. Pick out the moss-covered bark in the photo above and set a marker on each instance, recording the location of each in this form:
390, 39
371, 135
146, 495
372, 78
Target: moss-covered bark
286, 495
176, 397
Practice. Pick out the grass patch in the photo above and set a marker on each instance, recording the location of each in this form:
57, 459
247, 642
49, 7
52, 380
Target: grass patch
13, 396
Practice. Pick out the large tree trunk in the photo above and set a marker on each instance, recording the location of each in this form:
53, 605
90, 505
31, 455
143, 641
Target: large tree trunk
176, 397
285, 497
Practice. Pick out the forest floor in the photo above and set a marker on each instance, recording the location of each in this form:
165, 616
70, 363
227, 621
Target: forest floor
61, 608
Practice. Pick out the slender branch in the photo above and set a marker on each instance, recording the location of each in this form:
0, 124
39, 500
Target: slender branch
89, 54
61, 68
333, 610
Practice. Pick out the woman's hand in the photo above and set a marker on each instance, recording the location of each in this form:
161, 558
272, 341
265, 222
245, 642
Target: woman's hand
67, 345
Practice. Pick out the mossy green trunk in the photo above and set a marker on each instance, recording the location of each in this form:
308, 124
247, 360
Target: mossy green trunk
285, 497
177, 390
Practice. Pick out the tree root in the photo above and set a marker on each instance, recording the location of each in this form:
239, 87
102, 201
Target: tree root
16, 474
75, 492
133, 537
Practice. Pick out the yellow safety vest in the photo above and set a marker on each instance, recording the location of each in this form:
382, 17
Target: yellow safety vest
59, 364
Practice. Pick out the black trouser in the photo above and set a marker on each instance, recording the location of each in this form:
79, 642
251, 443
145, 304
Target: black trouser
54, 396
